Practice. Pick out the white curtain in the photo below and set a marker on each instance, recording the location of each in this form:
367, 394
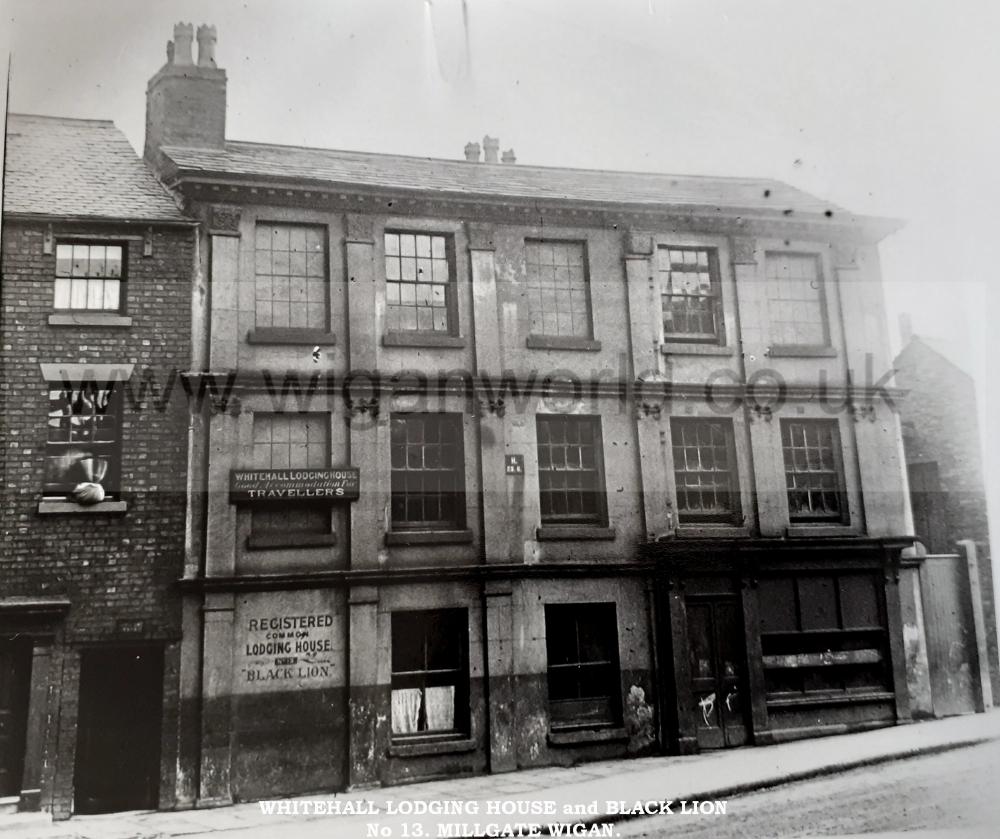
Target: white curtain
440, 708
405, 710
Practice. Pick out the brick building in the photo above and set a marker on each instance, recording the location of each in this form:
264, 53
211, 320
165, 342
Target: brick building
97, 264
945, 465
517, 466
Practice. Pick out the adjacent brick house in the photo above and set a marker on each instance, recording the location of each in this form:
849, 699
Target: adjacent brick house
97, 264
944, 459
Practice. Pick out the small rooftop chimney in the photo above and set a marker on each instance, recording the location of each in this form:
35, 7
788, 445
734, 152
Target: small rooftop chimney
186, 102
491, 148
472, 152
508, 156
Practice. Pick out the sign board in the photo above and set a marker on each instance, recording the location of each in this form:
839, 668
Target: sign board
515, 464
317, 485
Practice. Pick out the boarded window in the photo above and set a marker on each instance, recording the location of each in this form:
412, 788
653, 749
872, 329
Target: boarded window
430, 674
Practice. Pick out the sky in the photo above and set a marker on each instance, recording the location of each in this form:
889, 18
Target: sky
885, 108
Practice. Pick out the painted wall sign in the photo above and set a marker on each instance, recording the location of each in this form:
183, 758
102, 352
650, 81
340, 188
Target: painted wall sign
324, 485
515, 464
288, 648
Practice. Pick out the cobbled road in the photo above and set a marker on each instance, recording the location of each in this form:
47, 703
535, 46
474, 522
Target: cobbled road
950, 793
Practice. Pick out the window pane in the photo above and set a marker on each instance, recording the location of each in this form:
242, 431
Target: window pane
84, 433
795, 299
428, 471
690, 296
813, 477
557, 288
290, 266
704, 470
417, 283
571, 479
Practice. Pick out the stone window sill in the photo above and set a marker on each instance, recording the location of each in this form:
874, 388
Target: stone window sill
428, 537
800, 351
716, 531
422, 339
442, 745
89, 319
582, 736
283, 335
54, 507
562, 342
574, 532
681, 348
814, 531
272, 541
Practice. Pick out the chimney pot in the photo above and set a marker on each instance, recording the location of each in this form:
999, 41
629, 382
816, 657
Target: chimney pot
472, 152
509, 156
183, 36
491, 148
206, 45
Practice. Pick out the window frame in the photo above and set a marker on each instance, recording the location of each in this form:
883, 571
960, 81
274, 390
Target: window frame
450, 287
817, 259
718, 336
122, 279
600, 517
541, 337
735, 515
842, 516
261, 329
114, 449
447, 619
605, 710
458, 523
302, 511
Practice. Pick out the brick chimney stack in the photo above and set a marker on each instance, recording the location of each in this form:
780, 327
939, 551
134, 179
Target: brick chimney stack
186, 102
472, 152
509, 156
491, 147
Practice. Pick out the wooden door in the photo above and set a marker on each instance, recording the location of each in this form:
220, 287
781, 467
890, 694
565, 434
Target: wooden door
951, 641
15, 684
718, 670
118, 733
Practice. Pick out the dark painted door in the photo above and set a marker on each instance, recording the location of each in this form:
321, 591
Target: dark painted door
118, 733
15, 683
715, 639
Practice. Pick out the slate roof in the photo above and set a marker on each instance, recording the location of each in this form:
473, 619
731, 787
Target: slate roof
275, 163
79, 168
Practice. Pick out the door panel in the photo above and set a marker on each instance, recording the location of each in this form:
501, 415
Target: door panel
715, 638
118, 734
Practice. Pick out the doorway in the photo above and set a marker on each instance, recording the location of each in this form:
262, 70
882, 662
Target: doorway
119, 728
15, 687
718, 683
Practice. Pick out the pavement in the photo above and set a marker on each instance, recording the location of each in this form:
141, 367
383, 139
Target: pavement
581, 795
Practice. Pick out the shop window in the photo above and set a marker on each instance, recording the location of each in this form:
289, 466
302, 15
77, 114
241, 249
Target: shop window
824, 636
83, 448
795, 300
291, 289
430, 672
690, 294
428, 472
90, 277
584, 679
420, 283
705, 470
814, 471
291, 441
557, 288
571, 470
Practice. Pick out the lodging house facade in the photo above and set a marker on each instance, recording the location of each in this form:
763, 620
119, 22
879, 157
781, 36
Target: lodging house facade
517, 466
503, 466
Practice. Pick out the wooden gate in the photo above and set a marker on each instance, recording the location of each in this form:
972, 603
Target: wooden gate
951, 642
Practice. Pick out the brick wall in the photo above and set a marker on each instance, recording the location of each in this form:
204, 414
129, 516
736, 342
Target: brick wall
111, 568
941, 426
